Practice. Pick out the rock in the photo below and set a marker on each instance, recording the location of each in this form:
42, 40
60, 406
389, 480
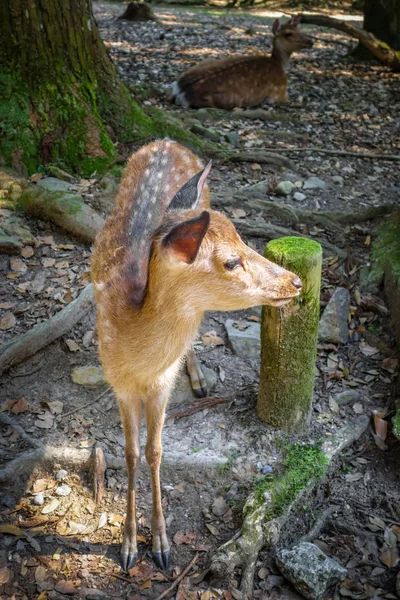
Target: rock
299, 196
9, 244
347, 396
284, 188
311, 571
314, 183
209, 133
369, 280
258, 189
244, 342
288, 176
9, 502
7, 321
63, 490
52, 184
14, 226
62, 474
333, 324
38, 499
232, 137
88, 375
183, 389
338, 179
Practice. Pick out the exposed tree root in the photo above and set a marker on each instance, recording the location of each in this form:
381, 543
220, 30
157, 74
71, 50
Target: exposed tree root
242, 550
384, 53
266, 157
199, 404
334, 152
318, 525
43, 334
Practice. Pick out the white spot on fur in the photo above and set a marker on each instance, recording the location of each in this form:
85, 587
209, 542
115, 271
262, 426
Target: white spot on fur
100, 285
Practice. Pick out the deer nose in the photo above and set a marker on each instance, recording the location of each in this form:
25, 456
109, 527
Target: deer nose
296, 281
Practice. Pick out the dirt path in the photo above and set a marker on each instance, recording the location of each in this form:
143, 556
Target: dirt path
220, 451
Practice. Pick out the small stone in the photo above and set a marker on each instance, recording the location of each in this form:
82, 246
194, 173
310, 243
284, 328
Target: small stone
38, 499
88, 338
299, 196
333, 324
7, 321
18, 265
338, 180
245, 343
89, 375
314, 183
311, 571
62, 474
258, 189
63, 490
284, 188
9, 244
266, 469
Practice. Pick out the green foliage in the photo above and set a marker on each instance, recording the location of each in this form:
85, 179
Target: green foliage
386, 246
303, 463
227, 466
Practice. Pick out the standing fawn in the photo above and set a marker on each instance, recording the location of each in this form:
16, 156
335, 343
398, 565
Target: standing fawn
162, 260
244, 80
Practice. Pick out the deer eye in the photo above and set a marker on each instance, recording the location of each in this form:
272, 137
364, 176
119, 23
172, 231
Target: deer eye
231, 265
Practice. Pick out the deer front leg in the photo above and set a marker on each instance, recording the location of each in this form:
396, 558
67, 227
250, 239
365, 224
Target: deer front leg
130, 408
196, 376
155, 412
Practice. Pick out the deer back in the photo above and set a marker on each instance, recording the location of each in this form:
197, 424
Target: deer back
154, 180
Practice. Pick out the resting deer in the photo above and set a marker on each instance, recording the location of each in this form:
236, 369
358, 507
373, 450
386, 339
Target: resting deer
162, 260
244, 80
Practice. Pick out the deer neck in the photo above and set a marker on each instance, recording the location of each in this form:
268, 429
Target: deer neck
280, 56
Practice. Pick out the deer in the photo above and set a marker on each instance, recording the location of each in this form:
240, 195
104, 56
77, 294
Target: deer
162, 259
245, 80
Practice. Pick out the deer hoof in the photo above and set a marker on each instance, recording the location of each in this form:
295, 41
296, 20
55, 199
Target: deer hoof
201, 390
128, 560
162, 559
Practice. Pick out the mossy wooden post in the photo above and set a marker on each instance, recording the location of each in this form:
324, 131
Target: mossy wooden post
289, 338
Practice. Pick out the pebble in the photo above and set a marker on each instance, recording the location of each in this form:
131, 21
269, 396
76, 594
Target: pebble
62, 474
89, 375
284, 188
338, 179
314, 183
299, 196
266, 469
38, 499
63, 490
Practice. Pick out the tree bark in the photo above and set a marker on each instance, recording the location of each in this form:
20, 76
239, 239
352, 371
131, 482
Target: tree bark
382, 18
62, 100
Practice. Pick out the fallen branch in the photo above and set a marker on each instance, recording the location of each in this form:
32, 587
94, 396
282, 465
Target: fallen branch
384, 53
201, 404
99, 469
242, 550
83, 406
256, 114
21, 348
269, 231
179, 578
262, 157
334, 152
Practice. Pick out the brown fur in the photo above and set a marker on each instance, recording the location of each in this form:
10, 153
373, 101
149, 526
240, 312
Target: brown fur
247, 80
141, 348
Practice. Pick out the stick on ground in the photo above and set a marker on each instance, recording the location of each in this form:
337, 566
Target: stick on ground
179, 578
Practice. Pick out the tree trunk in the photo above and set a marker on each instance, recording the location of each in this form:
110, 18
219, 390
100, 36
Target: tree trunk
61, 98
382, 18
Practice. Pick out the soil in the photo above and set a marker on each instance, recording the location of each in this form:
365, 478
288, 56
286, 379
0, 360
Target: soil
219, 451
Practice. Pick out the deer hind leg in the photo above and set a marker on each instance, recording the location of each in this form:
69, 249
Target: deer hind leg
130, 408
155, 411
197, 380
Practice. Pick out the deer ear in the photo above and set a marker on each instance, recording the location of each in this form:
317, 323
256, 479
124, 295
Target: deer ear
275, 26
184, 240
296, 20
190, 193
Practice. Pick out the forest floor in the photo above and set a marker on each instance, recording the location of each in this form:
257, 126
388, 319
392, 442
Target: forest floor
212, 458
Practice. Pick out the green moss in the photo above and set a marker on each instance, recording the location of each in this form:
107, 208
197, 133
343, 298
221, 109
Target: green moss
295, 253
386, 247
396, 424
303, 464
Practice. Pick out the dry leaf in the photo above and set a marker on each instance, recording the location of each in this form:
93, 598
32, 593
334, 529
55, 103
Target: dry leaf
380, 425
187, 537
7, 321
18, 265
390, 364
45, 421
256, 167
50, 507
333, 405
102, 520
35, 177
358, 408
210, 338
389, 555
237, 213
65, 587
27, 252
55, 407
88, 443
212, 529
40, 485
40, 574
48, 262
351, 477
5, 575
115, 519
368, 350
16, 406
11, 529
76, 528
377, 522
142, 572
72, 345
